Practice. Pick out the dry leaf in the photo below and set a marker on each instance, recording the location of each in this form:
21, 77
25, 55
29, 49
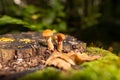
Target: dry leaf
80, 58
61, 56
65, 60
60, 63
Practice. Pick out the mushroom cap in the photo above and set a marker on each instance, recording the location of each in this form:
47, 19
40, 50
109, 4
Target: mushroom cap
60, 36
55, 37
47, 33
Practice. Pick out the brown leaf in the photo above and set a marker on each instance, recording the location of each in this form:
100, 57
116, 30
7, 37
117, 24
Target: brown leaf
61, 56
60, 63
80, 58
64, 61
60, 60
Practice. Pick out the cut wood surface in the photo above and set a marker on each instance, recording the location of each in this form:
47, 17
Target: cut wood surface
28, 44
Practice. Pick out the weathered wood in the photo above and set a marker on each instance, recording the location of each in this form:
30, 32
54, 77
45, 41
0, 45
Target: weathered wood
36, 45
25, 53
26, 50
7, 54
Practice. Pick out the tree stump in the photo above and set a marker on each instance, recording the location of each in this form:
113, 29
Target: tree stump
26, 50
28, 44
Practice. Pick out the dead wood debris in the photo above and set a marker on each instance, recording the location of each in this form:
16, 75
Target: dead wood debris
20, 65
65, 61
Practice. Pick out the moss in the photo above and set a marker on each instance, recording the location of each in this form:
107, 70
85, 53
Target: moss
49, 73
95, 50
106, 68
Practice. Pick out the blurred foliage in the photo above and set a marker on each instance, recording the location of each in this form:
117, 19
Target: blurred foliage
106, 68
9, 20
53, 14
50, 15
88, 20
61, 15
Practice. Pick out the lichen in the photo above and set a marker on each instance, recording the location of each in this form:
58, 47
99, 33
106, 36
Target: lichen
6, 39
25, 40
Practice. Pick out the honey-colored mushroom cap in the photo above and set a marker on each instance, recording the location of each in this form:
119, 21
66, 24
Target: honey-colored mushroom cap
60, 36
55, 37
47, 33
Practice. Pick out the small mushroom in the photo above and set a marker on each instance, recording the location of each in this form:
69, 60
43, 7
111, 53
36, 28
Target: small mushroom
55, 39
58, 38
47, 35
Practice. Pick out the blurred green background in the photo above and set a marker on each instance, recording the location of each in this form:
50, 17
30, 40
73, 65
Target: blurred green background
96, 22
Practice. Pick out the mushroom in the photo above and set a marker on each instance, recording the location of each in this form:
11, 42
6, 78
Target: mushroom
47, 35
55, 38
58, 38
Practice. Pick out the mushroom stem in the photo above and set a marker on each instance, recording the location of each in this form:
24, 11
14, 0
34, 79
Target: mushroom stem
59, 38
50, 44
47, 34
60, 46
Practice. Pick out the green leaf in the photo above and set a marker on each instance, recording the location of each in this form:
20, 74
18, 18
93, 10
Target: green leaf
10, 20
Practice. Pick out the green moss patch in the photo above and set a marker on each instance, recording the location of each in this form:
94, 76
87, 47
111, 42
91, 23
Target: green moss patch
106, 68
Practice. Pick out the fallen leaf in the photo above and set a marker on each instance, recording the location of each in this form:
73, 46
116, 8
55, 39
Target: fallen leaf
66, 60
60, 63
80, 58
